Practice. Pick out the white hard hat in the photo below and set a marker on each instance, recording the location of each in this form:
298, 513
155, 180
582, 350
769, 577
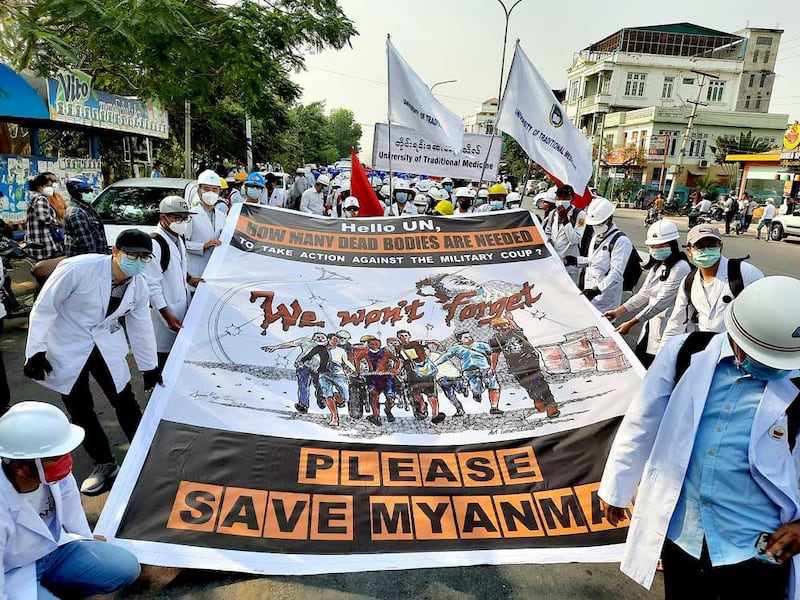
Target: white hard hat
424, 185
402, 186
439, 194
661, 232
351, 201
769, 337
770, 201
464, 192
420, 200
447, 180
323, 180
600, 209
483, 193
513, 197
384, 191
37, 430
344, 186
208, 177
549, 197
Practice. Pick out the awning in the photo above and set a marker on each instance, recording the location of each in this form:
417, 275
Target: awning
18, 99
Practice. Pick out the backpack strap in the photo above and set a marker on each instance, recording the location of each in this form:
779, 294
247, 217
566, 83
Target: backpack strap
164, 250
573, 216
793, 415
613, 241
735, 281
695, 342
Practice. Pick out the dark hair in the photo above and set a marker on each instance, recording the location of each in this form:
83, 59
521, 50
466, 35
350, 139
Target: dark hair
669, 262
331, 335
40, 181
399, 331
564, 191
460, 334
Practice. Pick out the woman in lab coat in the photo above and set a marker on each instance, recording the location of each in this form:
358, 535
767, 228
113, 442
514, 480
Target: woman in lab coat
205, 226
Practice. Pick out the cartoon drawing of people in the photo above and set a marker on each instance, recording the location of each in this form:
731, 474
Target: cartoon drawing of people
334, 367
306, 372
475, 364
450, 379
382, 366
522, 361
420, 376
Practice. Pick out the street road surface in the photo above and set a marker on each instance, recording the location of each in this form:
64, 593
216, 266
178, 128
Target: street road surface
553, 582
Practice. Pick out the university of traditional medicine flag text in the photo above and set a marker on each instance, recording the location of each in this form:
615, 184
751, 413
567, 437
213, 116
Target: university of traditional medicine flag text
412, 104
531, 115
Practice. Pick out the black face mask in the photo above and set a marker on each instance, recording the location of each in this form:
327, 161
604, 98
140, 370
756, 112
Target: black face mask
465, 203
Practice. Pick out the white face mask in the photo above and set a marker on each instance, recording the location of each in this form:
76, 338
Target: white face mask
601, 229
563, 203
209, 198
253, 193
179, 228
48, 191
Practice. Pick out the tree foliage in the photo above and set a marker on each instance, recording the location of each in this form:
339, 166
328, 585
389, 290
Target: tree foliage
345, 132
744, 143
228, 59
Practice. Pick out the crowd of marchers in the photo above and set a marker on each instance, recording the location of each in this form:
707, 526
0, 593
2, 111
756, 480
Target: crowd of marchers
705, 454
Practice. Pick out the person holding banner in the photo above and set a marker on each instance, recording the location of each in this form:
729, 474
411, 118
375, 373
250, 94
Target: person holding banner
47, 547
313, 199
565, 226
465, 198
708, 448
401, 205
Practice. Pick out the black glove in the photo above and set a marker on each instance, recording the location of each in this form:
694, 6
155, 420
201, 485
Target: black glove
151, 378
571, 261
37, 366
592, 293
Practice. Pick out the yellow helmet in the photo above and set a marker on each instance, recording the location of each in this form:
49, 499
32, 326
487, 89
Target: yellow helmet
444, 207
240, 176
223, 185
498, 189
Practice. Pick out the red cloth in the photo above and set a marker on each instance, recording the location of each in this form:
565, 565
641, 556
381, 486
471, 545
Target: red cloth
369, 205
580, 200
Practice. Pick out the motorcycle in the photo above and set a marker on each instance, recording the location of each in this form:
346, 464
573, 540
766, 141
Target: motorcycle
718, 212
651, 217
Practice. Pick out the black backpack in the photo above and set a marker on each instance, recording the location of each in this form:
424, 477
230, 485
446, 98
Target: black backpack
697, 341
164, 250
735, 282
633, 268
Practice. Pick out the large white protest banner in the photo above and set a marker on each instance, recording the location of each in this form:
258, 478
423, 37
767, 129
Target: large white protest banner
412, 153
412, 104
531, 115
370, 394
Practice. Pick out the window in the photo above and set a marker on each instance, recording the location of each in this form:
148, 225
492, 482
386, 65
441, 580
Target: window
697, 145
752, 80
758, 102
573, 90
606, 87
666, 91
763, 40
634, 137
132, 205
609, 140
715, 91
673, 139
642, 138
489, 129
688, 81
766, 56
763, 80
747, 101
755, 55
634, 85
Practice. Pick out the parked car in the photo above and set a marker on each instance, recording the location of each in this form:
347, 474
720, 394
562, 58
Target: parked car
784, 226
133, 203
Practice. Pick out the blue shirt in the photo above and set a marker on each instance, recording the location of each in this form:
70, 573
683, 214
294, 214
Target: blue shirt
475, 356
720, 501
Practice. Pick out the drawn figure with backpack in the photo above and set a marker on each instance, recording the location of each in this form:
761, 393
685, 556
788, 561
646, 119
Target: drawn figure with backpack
708, 448
420, 376
167, 274
610, 264
706, 292
666, 269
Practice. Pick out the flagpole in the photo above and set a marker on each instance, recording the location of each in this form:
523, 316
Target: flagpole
388, 116
499, 99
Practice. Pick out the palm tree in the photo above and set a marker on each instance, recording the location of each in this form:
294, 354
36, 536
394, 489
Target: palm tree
744, 143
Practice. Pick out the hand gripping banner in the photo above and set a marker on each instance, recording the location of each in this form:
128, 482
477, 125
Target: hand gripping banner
369, 394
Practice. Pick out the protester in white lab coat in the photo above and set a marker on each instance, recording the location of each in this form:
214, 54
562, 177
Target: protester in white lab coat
402, 201
655, 299
205, 226
706, 448
565, 226
167, 274
606, 258
715, 283
47, 546
313, 199
275, 196
75, 331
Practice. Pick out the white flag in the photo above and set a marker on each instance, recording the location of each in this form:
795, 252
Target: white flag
531, 115
412, 104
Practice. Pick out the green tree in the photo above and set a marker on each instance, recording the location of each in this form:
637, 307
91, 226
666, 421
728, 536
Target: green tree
344, 131
744, 143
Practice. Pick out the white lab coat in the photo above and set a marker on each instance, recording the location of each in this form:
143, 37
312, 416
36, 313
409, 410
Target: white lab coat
710, 314
199, 232
655, 301
25, 537
169, 289
603, 270
654, 444
408, 210
566, 237
312, 202
69, 319
275, 198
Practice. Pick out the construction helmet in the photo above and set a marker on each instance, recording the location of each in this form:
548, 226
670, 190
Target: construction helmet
255, 179
661, 232
37, 430
424, 185
514, 198
447, 180
323, 180
209, 177
769, 337
420, 200
599, 211
498, 188
465, 192
444, 207
483, 193
438, 194
401, 185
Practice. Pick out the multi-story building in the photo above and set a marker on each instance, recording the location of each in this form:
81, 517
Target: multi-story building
758, 69
482, 120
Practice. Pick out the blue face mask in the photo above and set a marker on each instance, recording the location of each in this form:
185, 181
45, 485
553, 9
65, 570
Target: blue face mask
758, 370
132, 266
448, 187
706, 257
660, 253
401, 197
498, 205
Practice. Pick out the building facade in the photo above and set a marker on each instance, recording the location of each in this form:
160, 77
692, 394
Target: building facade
482, 121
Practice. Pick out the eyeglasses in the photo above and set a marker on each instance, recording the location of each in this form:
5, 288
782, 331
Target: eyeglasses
351, 208
180, 219
145, 258
705, 244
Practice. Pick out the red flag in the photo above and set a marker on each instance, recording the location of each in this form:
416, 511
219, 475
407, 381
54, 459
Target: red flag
581, 200
369, 205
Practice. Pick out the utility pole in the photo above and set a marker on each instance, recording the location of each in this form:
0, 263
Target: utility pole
599, 151
187, 140
688, 134
248, 132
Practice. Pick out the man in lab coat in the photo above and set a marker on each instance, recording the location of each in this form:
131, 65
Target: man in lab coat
205, 226
75, 332
710, 442
47, 547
